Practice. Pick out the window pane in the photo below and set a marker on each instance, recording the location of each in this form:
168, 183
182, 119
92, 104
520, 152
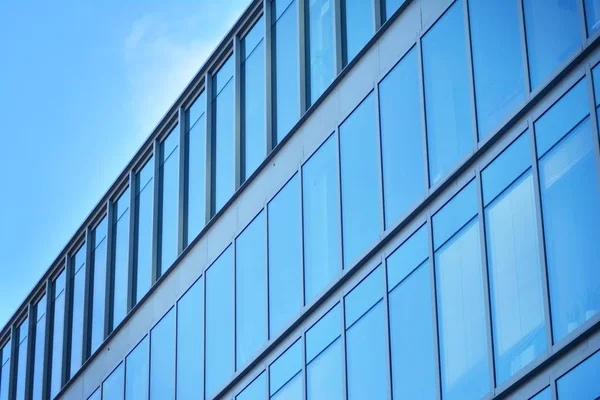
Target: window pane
5, 370
21, 360
39, 348
219, 322
145, 208
223, 135
285, 378
404, 179
324, 355
95, 395
497, 61
285, 262
455, 214
581, 382
99, 285
391, 6
57, 335
169, 220
411, 320
553, 35
365, 339
321, 46
361, 193
461, 315
359, 25
251, 291
321, 216
196, 168
286, 94
257, 390
121, 258
253, 114
545, 394
447, 95
592, 14
570, 207
162, 358
78, 282
515, 274
113, 388
137, 372
190, 343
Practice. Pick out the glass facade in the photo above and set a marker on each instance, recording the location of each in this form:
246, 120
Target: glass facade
137, 372
162, 358
196, 167
144, 203
320, 46
99, 267
39, 349
169, 200
58, 330
121, 245
78, 304
190, 343
113, 387
5, 354
21, 360
359, 25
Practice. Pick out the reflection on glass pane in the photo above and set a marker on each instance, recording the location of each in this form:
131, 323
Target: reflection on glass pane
553, 35
545, 394
190, 344
321, 46
78, 281
581, 382
137, 372
391, 6
99, 260
21, 360
592, 16
404, 179
219, 322
282, 370
257, 390
455, 214
196, 169
251, 291
40, 346
145, 208
223, 140
497, 61
57, 335
286, 93
447, 96
285, 248
162, 361
113, 387
169, 220
359, 25
121, 258
321, 215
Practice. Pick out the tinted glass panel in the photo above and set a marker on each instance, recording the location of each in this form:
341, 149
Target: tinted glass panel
78, 282
321, 215
99, 258
219, 322
121, 257
196, 168
223, 136
162, 358
137, 372
447, 96
285, 256
581, 382
113, 387
251, 291
553, 35
592, 16
39, 348
58, 328
321, 46
5, 370
359, 19
497, 61
21, 361
455, 214
169, 220
570, 207
285, 378
145, 208
361, 193
545, 394
286, 94
190, 343
404, 181
257, 390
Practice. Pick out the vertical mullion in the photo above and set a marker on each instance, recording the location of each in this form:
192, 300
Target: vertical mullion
156, 212
338, 164
436, 332
48, 336
176, 330
302, 58
301, 210
377, 14
234, 274
182, 215
524, 50
380, 157
345, 351
486, 281
268, 15
66, 355
32, 315
337, 15
12, 375
594, 118
304, 369
469, 49
238, 150
267, 264
110, 265
203, 361
208, 82
423, 115
88, 296
582, 23
343, 37
388, 336
541, 237
133, 212
553, 389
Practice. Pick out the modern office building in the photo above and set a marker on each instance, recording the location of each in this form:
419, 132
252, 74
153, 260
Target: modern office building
361, 199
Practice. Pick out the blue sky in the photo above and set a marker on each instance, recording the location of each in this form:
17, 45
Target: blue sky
82, 85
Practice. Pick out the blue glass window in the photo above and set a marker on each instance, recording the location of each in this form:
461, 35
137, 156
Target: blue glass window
404, 182
321, 216
359, 25
257, 390
592, 16
190, 343
581, 382
460, 298
39, 348
286, 90
121, 257
144, 221
447, 94
411, 320
545, 394
21, 360
58, 329
219, 322
99, 265
253, 111
361, 193
113, 388
251, 291
366, 339
391, 6
162, 358
321, 46
324, 358
571, 210
553, 35
5, 370
169, 204
497, 61
137, 372
95, 395
78, 282
196, 167
285, 375
285, 256
518, 321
